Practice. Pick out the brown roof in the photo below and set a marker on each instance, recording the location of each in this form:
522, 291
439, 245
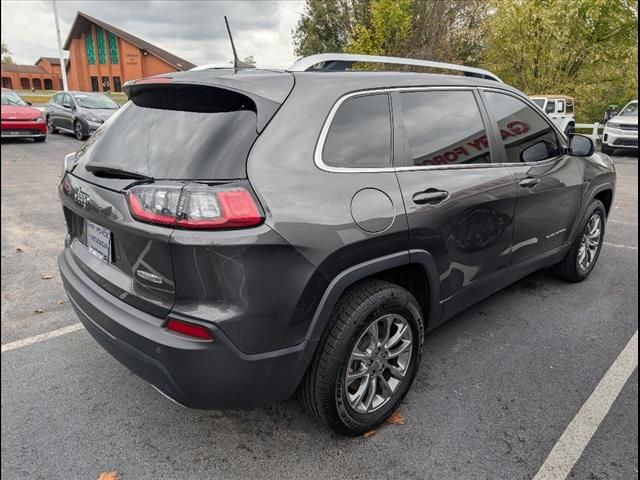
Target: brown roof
52, 60
83, 23
10, 67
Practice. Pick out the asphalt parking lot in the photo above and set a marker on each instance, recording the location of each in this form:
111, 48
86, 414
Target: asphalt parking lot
498, 385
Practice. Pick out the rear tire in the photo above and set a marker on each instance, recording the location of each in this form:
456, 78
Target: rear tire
384, 373
570, 130
585, 249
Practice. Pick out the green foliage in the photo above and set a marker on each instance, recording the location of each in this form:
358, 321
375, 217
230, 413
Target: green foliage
327, 25
387, 31
584, 48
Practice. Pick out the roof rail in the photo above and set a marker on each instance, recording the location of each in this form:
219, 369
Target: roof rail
342, 61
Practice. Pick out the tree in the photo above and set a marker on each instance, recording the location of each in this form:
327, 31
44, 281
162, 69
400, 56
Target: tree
387, 30
327, 25
249, 59
584, 48
6, 54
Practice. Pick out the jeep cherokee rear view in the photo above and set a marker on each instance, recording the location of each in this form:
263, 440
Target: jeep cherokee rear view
235, 236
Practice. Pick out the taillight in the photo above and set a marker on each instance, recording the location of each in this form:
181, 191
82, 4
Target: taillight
189, 329
194, 206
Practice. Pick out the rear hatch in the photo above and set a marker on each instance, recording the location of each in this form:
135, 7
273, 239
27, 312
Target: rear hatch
173, 157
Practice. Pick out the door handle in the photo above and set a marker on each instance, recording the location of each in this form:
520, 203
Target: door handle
529, 182
430, 196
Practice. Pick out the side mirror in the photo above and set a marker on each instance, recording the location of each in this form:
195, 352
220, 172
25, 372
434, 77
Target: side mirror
66, 105
581, 146
536, 152
28, 102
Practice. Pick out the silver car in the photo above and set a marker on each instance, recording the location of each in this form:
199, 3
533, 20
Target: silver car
79, 113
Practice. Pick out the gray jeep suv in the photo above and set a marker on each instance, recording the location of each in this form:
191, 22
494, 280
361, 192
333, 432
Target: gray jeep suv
235, 236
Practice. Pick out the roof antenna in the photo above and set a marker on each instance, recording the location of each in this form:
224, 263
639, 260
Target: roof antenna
237, 63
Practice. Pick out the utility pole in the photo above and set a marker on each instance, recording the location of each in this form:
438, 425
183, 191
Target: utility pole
63, 66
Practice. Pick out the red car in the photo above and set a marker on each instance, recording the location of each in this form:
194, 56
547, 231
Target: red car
19, 120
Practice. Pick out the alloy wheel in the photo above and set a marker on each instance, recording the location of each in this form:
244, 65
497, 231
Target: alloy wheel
78, 130
590, 242
50, 124
378, 363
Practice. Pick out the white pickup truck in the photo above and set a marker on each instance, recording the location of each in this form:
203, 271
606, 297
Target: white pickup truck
559, 108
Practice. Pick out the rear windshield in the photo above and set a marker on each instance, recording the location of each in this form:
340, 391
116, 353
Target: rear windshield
177, 132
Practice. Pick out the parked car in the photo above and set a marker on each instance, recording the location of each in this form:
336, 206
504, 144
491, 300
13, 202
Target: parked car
20, 119
235, 236
560, 110
79, 113
621, 131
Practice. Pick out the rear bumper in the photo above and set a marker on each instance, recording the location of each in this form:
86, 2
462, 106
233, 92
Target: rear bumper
29, 129
194, 373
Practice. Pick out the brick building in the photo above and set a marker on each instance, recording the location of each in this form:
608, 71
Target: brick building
101, 58
44, 75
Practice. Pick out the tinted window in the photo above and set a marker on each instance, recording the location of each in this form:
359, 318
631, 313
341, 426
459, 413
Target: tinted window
360, 133
444, 128
551, 106
522, 127
177, 133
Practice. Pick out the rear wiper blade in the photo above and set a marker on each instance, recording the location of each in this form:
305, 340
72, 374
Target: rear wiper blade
114, 172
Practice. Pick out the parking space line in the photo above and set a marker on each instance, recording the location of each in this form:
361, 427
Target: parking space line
41, 338
617, 245
577, 435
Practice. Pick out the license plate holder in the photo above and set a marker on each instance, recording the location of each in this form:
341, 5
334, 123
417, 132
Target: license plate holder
99, 241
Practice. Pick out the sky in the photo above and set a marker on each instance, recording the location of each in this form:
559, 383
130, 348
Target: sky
193, 30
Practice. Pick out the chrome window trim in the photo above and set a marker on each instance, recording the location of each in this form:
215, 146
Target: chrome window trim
317, 156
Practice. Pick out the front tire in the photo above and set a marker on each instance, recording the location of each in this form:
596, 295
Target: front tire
78, 130
585, 249
50, 127
367, 358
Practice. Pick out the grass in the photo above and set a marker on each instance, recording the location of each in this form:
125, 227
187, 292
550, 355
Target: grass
43, 96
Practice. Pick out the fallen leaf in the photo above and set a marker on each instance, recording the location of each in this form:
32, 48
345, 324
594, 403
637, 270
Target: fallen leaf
396, 418
61, 302
369, 434
109, 476
38, 310
19, 250
46, 276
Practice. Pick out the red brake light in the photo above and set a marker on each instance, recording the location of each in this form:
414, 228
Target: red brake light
194, 206
189, 329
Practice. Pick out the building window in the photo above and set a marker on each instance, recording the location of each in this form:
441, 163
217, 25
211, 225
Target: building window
117, 86
113, 49
105, 84
6, 82
94, 84
37, 84
25, 84
102, 49
48, 84
91, 54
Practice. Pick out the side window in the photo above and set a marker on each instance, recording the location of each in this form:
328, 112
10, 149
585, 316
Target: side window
560, 106
443, 128
57, 99
527, 136
551, 106
67, 99
569, 106
360, 133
